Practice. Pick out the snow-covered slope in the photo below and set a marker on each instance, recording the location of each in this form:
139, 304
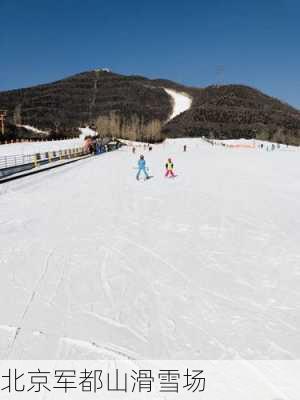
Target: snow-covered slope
95, 264
43, 146
33, 129
181, 102
39, 147
87, 131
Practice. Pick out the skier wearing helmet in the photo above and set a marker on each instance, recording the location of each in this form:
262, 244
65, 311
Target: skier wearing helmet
169, 168
142, 168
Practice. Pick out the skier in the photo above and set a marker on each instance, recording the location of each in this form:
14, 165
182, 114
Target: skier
184, 148
169, 168
133, 150
142, 168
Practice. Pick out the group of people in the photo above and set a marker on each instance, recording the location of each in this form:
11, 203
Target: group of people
93, 145
145, 147
143, 169
270, 147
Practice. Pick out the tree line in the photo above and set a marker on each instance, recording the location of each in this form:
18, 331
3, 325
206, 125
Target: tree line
131, 128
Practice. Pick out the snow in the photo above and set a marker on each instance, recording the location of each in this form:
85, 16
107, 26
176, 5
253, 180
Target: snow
95, 264
87, 131
38, 147
255, 143
181, 102
133, 143
33, 129
26, 148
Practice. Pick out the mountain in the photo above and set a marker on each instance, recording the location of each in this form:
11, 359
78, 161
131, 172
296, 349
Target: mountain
78, 100
134, 103
235, 111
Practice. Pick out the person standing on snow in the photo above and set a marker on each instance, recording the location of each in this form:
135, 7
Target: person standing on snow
142, 168
169, 168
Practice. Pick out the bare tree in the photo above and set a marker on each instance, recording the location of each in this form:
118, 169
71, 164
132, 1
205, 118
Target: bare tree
17, 118
152, 131
133, 128
108, 125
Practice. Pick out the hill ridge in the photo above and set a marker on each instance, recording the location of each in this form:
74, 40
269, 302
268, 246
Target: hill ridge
226, 111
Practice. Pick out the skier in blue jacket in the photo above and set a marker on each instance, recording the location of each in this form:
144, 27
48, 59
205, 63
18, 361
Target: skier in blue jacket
142, 168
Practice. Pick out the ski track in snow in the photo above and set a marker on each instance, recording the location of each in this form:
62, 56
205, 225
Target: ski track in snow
33, 129
205, 266
181, 102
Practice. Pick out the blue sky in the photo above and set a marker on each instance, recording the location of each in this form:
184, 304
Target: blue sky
256, 42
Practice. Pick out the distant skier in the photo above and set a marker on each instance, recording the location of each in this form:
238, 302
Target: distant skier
184, 148
169, 168
142, 168
133, 150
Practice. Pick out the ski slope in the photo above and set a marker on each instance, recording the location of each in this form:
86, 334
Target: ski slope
39, 147
33, 129
95, 264
26, 148
181, 102
87, 131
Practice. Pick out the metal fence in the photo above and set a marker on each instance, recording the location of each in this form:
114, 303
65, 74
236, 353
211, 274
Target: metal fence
12, 161
13, 164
